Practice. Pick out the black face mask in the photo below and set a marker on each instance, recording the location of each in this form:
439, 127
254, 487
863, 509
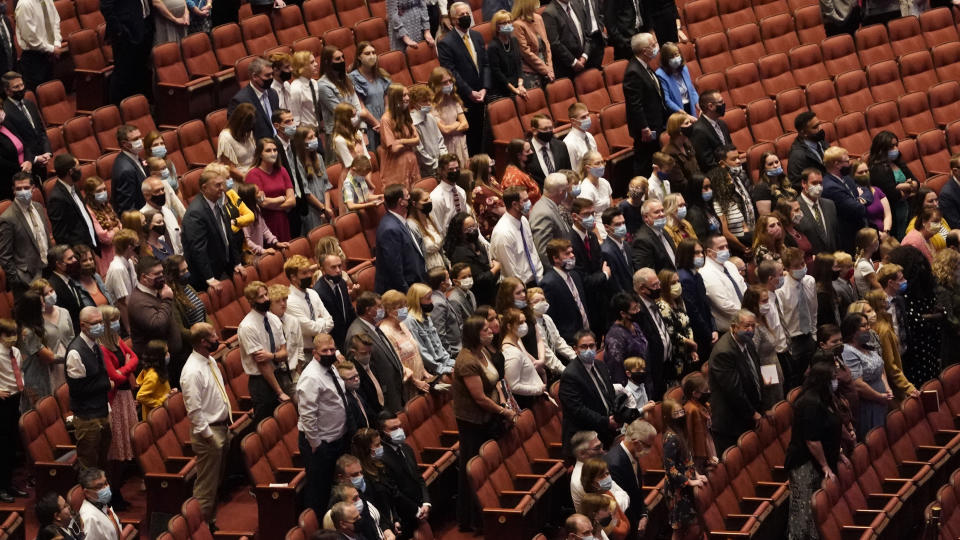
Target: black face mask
453, 176
73, 269
427, 208
426, 308
654, 293
159, 282
286, 75
463, 22
473, 236
160, 229
721, 109
545, 136
305, 283
159, 200
835, 274
262, 307
687, 131
845, 170
639, 377
18, 95
704, 397
76, 175
340, 67
819, 136
328, 360
605, 521
212, 344
336, 279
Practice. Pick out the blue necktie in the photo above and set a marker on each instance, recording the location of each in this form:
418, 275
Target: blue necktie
266, 326
526, 251
732, 282
306, 296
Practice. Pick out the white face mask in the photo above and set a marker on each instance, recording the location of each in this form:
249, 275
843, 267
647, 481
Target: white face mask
466, 283
541, 307
522, 330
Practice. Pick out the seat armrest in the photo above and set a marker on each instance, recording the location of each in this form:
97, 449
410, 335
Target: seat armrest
234, 535
287, 475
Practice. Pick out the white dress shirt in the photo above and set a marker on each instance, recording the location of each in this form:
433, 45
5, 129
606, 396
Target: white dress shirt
204, 393
83, 210
299, 309
8, 381
301, 104
97, 524
120, 278
323, 417
443, 206
294, 338
775, 323
658, 189
38, 25
283, 93
74, 364
506, 246
172, 224
538, 152
600, 195
252, 335
790, 296
578, 143
724, 302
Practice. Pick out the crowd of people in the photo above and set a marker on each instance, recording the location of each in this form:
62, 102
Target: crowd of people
836, 274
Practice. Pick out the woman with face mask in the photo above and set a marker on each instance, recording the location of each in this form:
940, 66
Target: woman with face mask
89, 278
57, 330
371, 83
879, 214
400, 140
557, 353
772, 184
503, 54
35, 356
890, 347
105, 221
601, 510
679, 93
923, 320
315, 205
156, 239
596, 480
696, 406
274, 181
416, 378
153, 380
700, 213
624, 338
866, 368
235, 144
679, 229
259, 240
419, 323
464, 244
890, 173
815, 446
788, 209
690, 259
757, 301
685, 357
594, 187
381, 488
682, 475
926, 227
448, 108
336, 87
523, 373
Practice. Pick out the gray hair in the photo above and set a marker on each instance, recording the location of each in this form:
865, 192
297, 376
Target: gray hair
642, 276
648, 206
741, 315
457, 5
88, 312
639, 430
640, 41
89, 476
580, 440
257, 65
554, 183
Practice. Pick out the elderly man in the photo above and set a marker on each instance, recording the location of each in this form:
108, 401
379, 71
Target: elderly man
651, 246
659, 347
623, 462
646, 116
839, 187
259, 93
546, 221
462, 51
734, 378
154, 193
578, 527
89, 385
100, 522
724, 285
586, 445
24, 236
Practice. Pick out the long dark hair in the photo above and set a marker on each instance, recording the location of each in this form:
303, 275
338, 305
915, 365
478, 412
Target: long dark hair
455, 237
171, 273
694, 193
514, 149
724, 193
879, 147
817, 382
685, 253
916, 270
28, 312
154, 356
822, 272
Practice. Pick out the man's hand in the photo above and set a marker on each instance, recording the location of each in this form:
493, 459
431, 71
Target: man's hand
283, 397
646, 135
166, 293
388, 535
262, 356
714, 337
606, 269
476, 96
238, 268
26, 166
424, 512
642, 524
612, 423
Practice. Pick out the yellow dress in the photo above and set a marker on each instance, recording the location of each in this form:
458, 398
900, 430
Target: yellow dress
153, 392
939, 240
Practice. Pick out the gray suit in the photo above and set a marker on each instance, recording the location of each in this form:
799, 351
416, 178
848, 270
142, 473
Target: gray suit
19, 252
821, 241
385, 364
546, 223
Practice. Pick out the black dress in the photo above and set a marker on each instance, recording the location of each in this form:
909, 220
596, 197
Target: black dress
505, 67
484, 281
921, 361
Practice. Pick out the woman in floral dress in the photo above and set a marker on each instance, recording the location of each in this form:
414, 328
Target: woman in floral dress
487, 194
681, 475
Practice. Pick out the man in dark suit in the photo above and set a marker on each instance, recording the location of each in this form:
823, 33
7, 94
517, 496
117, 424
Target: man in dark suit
806, 152
842, 190
549, 153
359, 413
413, 500
950, 195
563, 289
130, 31
624, 20
616, 252
587, 394
589, 261
638, 439
734, 378
128, 172
8, 51
463, 52
400, 260
819, 223
62, 268
71, 222
651, 247
568, 26
24, 119
659, 347
211, 248
384, 361
259, 94
359, 350
710, 132
646, 113
335, 297
24, 236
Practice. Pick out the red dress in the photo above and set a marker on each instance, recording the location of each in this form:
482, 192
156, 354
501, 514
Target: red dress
123, 406
274, 184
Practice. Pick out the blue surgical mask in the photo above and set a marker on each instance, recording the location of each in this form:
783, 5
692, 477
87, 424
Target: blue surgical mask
798, 273
173, 182
104, 495
520, 304
101, 196
359, 482
569, 264
902, 288
587, 356
707, 195
447, 88
380, 315
745, 336
589, 222
698, 262
165, 174
378, 452
681, 212
229, 185
402, 313
96, 330
25, 195
426, 109
659, 223
313, 144
597, 171
398, 436
359, 505
507, 28
834, 384
526, 207
893, 154
606, 483
586, 123
675, 62
775, 172
289, 131
723, 256
159, 151
115, 326
620, 231
575, 191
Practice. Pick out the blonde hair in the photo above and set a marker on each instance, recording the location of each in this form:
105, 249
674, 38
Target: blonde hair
634, 363
832, 155
842, 258
671, 203
860, 306
525, 9
301, 63
109, 338
294, 264
590, 157
278, 291
945, 265
393, 299
500, 17
674, 122
415, 294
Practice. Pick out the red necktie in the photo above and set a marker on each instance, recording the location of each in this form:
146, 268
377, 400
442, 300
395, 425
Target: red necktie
586, 244
16, 371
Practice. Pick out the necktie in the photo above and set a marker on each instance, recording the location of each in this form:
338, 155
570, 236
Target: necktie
363, 411
7, 42
306, 298
78, 292
456, 199
23, 108
17, 374
526, 251
473, 54
732, 282
85, 214
266, 326
590, 19
376, 384
343, 397
752, 366
803, 311
576, 22
265, 101
817, 216
586, 243
38, 235
223, 226
48, 23
113, 519
576, 298
336, 290
393, 354
596, 383
223, 391
547, 160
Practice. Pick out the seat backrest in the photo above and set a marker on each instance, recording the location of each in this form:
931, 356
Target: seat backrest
713, 50
736, 12
560, 95
778, 33
148, 455
745, 42
702, 17
422, 61
938, 26
395, 63
258, 34
840, 53
884, 116
33, 438
88, 12
885, 81
136, 110
53, 426
85, 50
373, 30
350, 12
288, 24
350, 234
743, 82
106, 120
873, 44
272, 440
320, 16
591, 90
822, 99
286, 416
916, 71
809, 24
853, 92
81, 142
790, 104
198, 54
256, 460
228, 45
807, 64
775, 73
613, 78
168, 65
53, 103
308, 522
944, 101
194, 143
905, 35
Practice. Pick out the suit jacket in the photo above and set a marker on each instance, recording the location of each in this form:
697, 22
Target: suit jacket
698, 306
342, 312
621, 19
851, 213
360, 413
705, 141
10, 165
563, 308
820, 240
649, 251
384, 363
734, 393
645, 106
402, 467
66, 217
399, 258
565, 44
671, 92
12, 63
584, 408
19, 252
126, 24
203, 245
68, 301
621, 471
621, 266
949, 203
153, 318
262, 126
590, 268
654, 357
558, 153
33, 135
128, 177
453, 55
546, 224
803, 157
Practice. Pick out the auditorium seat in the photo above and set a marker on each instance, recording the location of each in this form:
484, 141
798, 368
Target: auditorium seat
169, 479
395, 63
89, 15
105, 166
179, 97
350, 12
740, 134
434, 449
591, 90
702, 18
822, 99
80, 139
889, 467
106, 120
873, 44
288, 24
840, 53
548, 418
505, 515
613, 119
520, 463
373, 30
189, 524
932, 146
736, 12
69, 23
535, 103
752, 167
52, 454
915, 113
807, 64
713, 52
258, 34
769, 8
835, 519
856, 498
763, 120
320, 16
560, 95
689, 52
906, 36
276, 492
746, 45
911, 156
917, 72
884, 116
715, 81
885, 81
775, 74
717, 524
778, 33
853, 92
852, 132
55, 107
938, 27
277, 451
743, 83
200, 60
809, 24
352, 240
91, 70
422, 60
194, 144
215, 122
504, 479
136, 110
228, 45
189, 188
312, 44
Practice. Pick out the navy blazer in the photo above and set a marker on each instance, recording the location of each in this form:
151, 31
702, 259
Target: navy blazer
590, 268
563, 308
621, 471
698, 306
583, 406
851, 213
705, 141
262, 126
621, 267
342, 312
400, 262
453, 55
671, 92
950, 203
655, 351
649, 251
128, 177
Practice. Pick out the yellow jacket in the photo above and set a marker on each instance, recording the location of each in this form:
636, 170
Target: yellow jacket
153, 392
890, 350
937, 241
246, 215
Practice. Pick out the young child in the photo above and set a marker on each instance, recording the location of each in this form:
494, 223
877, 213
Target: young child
357, 191
154, 385
431, 145
660, 177
696, 393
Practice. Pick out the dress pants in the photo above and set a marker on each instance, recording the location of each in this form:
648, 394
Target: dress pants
93, 441
320, 465
211, 465
9, 418
264, 398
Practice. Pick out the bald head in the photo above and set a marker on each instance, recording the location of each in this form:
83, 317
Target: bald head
577, 526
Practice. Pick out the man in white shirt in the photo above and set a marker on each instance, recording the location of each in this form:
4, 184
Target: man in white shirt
100, 522
286, 373
121, 274
282, 74
154, 193
799, 295
208, 408
579, 141
304, 303
323, 421
724, 285
770, 275
263, 351
586, 445
448, 198
38, 35
511, 241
